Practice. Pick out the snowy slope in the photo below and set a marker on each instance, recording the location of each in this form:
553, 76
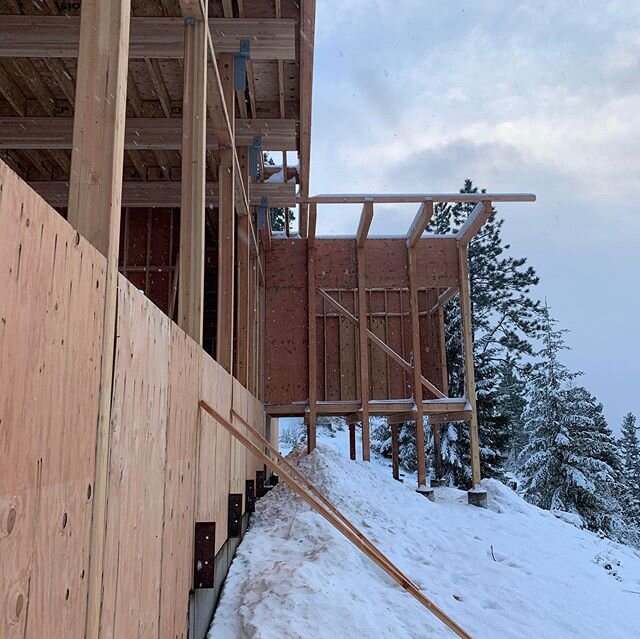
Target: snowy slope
510, 571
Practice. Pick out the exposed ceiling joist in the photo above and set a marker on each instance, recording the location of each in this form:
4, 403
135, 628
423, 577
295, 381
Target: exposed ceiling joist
58, 36
167, 194
141, 133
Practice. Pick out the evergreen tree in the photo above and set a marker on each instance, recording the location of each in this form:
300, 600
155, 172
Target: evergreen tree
511, 403
630, 453
570, 464
505, 319
277, 214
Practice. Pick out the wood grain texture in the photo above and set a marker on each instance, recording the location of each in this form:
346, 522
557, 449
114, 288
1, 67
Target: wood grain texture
52, 285
135, 512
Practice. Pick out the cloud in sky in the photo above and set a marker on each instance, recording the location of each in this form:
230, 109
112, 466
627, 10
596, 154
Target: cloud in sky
417, 95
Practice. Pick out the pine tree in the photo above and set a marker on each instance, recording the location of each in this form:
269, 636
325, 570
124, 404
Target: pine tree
505, 319
630, 453
277, 214
511, 403
570, 464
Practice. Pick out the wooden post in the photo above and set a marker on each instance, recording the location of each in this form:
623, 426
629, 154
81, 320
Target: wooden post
311, 302
469, 375
192, 205
352, 442
365, 222
244, 284
417, 367
95, 192
395, 452
226, 228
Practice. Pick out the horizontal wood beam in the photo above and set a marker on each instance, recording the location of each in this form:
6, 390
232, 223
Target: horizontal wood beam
168, 193
420, 222
380, 344
477, 218
142, 133
23, 36
410, 198
376, 407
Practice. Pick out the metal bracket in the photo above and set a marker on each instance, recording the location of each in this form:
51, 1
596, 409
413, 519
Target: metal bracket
262, 213
260, 489
240, 66
254, 156
190, 22
204, 554
250, 493
234, 527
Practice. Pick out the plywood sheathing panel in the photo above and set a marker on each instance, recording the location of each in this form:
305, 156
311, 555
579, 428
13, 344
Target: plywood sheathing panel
214, 463
52, 284
135, 511
180, 483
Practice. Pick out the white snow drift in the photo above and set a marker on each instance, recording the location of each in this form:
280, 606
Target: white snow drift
510, 571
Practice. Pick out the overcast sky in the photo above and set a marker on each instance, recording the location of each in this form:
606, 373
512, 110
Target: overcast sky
542, 97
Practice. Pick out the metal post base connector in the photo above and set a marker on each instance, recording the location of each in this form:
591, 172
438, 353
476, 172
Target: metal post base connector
426, 492
478, 497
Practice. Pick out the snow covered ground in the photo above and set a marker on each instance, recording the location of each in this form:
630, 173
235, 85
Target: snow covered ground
510, 571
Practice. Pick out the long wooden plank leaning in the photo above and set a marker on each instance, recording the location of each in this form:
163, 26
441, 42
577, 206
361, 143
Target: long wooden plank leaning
300, 487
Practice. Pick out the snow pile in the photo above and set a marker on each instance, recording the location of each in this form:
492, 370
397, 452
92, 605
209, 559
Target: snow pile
512, 570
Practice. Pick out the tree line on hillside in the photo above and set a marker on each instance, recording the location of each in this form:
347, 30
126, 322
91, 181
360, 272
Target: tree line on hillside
539, 429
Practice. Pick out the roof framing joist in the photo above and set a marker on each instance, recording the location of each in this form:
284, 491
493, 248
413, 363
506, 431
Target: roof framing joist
150, 37
167, 194
142, 133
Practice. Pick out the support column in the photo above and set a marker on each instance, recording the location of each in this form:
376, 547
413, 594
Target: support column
192, 206
311, 304
243, 289
95, 195
417, 373
364, 355
226, 227
352, 442
395, 452
477, 495
436, 427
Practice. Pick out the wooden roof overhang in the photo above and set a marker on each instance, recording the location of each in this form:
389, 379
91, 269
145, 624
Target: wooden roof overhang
38, 61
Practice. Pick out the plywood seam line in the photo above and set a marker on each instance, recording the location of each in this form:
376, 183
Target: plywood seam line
333, 516
95, 192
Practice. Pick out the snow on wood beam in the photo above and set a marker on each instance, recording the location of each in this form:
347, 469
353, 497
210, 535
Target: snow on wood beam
142, 194
477, 218
376, 407
24, 36
142, 133
417, 198
364, 225
420, 222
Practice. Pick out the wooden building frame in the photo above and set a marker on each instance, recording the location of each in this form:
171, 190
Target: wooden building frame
144, 123
343, 266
